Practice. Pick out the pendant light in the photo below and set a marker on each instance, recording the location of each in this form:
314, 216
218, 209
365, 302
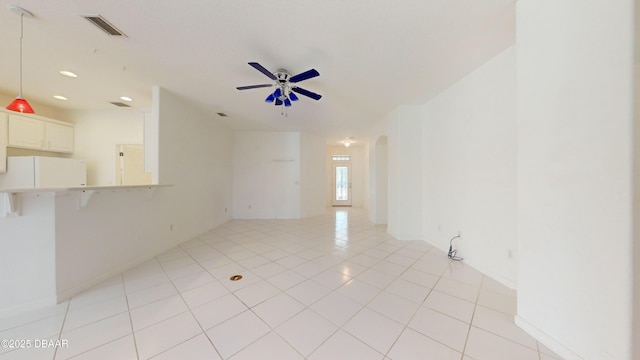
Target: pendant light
20, 104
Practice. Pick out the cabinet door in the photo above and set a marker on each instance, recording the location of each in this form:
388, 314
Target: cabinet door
26, 133
4, 129
59, 137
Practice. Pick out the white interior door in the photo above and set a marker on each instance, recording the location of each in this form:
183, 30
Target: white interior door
130, 166
341, 185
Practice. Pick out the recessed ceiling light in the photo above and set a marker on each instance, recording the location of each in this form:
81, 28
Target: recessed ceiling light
68, 73
125, 98
60, 97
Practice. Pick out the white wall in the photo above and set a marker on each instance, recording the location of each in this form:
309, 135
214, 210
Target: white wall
402, 128
469, 149
358, 165
452, 167
379, 176
312, 175
636, 186
115, 231
27, 259
636, 197
118, 229
378, 172
266, 175
575, 175
366, 171
408, 178
195, 156
96, 136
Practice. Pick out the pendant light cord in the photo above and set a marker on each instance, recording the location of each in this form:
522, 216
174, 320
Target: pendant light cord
21, 35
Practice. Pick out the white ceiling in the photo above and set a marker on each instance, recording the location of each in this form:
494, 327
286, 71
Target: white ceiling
372, 55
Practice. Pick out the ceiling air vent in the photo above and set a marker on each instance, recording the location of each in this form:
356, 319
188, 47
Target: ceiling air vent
104, 25
120, 104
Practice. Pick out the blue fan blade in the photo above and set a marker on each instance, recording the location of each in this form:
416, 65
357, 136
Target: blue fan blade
304, 76
293, 97
263, 70
270, 98
287, 102
278, 102
253, 86
277, 93
308, 93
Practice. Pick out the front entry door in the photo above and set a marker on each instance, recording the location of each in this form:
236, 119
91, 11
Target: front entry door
342, 185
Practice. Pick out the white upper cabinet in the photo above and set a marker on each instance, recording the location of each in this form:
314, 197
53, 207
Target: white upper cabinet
26, 132
38, 134
59, 137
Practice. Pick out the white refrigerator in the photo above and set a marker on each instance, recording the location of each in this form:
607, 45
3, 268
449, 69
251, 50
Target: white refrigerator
43, 172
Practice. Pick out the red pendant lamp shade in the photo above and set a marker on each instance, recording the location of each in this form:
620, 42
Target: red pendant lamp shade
20, 104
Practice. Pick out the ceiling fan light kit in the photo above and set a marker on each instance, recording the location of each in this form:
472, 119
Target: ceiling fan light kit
285, 85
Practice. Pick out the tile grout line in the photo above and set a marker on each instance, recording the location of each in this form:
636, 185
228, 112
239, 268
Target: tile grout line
476, 305
308, 307
96, 321
133, 333
381, 290
55, 353
378, 260
422, 304
406, 326
466, 341
364, 241
188, 309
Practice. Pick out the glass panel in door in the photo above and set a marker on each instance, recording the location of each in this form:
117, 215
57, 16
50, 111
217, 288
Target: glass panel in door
342, 185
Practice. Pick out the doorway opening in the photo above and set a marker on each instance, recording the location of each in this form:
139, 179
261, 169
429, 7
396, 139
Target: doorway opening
130, 165
342, 185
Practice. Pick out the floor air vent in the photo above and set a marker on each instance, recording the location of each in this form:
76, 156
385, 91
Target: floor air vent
104, 25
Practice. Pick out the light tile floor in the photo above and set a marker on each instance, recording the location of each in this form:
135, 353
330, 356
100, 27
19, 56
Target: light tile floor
328, 287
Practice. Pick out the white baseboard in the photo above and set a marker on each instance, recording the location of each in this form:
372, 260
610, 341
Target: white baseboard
546, 340
69, 293
26, 307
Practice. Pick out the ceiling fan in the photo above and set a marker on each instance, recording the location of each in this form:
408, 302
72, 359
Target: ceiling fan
285, 85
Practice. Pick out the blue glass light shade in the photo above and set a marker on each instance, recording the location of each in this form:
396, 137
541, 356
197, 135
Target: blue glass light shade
270, 98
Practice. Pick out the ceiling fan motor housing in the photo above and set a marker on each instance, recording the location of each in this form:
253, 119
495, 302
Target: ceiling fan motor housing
283, 81
283, 76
